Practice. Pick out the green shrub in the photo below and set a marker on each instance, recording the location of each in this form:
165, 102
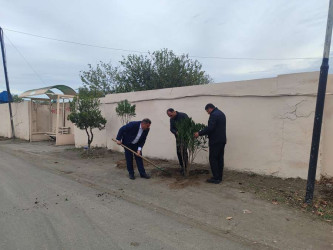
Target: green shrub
186, 129
125, 111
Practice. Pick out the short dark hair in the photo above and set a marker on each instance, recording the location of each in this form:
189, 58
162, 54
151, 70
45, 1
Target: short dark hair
209, 106
170, 110
146, 120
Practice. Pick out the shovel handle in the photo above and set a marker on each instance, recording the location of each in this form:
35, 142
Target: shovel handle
139, 155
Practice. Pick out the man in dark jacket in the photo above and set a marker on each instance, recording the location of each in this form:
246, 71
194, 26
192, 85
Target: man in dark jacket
133, 135
216, 131
175, 117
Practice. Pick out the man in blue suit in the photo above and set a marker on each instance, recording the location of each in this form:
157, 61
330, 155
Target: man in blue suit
133, 135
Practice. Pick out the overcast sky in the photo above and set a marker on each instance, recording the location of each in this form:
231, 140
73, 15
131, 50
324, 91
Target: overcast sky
258, 29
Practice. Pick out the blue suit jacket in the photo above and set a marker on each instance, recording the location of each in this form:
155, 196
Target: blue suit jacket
128, 132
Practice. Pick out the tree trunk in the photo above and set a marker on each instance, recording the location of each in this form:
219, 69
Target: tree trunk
91, 137
88, 138
185, 159
188, 163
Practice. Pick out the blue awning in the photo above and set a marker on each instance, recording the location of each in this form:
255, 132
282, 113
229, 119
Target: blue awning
4, 97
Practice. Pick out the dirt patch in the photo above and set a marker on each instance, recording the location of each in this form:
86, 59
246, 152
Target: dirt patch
171, 172
4, 138
326, 188
180, 183
195, 178
174, 172
92, 153
122, 164
290, 192
95, 153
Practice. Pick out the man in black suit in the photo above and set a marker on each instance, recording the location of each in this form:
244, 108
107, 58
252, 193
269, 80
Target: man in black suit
176, 116
133, 135
216, 131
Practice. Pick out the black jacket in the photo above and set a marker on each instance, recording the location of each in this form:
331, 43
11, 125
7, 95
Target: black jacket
216, 129
180, 116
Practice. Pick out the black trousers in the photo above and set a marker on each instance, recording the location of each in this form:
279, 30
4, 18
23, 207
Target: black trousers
129, 160
179, 154
216, 160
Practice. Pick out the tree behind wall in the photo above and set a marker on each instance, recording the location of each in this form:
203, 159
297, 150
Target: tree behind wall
125, 111
100, 80
90, 92
186, 129
17, 99
85, 114
157, 70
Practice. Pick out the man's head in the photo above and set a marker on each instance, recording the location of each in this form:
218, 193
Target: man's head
145, 124
209, 108
171, 113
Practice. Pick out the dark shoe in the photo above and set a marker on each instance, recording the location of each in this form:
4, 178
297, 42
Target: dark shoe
214, 181
131, 176
145, 176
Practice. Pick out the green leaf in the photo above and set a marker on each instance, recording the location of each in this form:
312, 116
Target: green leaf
85, 114
186, 129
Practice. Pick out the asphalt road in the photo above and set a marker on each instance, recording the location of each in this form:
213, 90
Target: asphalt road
40, 209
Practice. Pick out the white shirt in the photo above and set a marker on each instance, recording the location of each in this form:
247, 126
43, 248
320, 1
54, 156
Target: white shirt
138, 137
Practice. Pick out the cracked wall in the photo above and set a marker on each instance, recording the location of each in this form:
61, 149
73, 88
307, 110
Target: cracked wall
297, 114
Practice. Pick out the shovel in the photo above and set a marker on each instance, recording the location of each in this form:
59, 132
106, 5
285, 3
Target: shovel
159, 168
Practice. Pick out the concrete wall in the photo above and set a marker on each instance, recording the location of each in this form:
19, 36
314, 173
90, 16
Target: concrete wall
269, 122
326, 159
20, 117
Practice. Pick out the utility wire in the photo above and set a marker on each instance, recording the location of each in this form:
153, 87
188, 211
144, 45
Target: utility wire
145, 52
256, 59
77, 43
17, 50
